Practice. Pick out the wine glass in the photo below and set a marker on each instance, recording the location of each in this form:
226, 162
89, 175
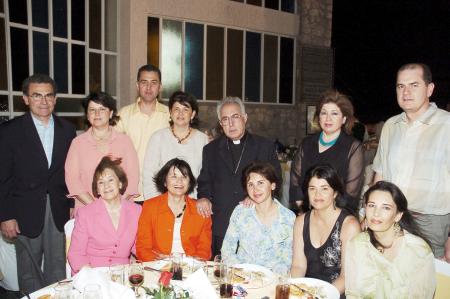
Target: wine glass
177, 266
92, 291
217, 262
136, 276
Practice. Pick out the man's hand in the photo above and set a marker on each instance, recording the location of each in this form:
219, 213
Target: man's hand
247, 202
10, 228
204, 207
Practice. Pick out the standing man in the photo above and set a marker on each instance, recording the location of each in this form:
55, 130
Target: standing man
219, 183
141, 119
414, 154
33, 203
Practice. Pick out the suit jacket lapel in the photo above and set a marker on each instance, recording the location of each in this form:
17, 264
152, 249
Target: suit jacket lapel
225, 153
248, 155
58, 144
34, 142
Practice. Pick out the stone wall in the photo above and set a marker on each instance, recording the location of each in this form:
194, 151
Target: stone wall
315, 22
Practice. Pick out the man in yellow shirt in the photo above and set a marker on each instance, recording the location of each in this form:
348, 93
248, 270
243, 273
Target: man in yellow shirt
144, 117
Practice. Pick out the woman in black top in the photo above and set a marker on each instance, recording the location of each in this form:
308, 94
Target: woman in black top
333, 145
321, 234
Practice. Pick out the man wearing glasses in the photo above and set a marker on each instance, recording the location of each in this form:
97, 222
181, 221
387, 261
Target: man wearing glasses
33, 202
144, 117
219, 184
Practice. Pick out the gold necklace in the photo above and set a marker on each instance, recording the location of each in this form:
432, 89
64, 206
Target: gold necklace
180, 140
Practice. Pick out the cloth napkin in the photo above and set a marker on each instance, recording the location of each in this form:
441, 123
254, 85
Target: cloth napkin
110, 289
199, 285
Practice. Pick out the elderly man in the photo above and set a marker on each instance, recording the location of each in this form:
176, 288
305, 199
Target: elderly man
141, 119
33, 203
414, 153
219, 184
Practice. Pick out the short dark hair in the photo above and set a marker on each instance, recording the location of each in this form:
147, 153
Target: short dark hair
344, 104
160, 178
329, 174
148, 68
426, 71
264, 169
186, 100
407, 221
38, 79
105, 100
108, 162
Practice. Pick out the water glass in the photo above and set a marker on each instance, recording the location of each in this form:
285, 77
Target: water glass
63, 290
92, 291
225, 281
116, 273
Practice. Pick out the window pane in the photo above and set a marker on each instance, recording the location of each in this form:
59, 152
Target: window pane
95, 27
69, 105
95, 72
3, 74
286, 69
270, 68
214, 63
234, 62
78, 20
254, 2
238, 0
288, 5
171, 57
60, 18
19, 105
19, 56
78, 69
3, 103
193, 66
111, 25
60, 66
40, 53
252, 66
1, 6
40, 13
110, 74
153, 41
77, 121
273, 4
18, 11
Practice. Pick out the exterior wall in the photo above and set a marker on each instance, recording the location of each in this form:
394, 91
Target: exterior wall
286, 122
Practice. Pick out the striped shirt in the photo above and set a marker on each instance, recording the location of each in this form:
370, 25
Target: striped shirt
416, 157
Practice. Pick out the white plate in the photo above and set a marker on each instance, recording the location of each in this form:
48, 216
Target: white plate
328, 291
267, 278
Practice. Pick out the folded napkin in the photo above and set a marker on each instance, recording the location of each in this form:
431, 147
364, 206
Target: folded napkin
199, 286
110, 289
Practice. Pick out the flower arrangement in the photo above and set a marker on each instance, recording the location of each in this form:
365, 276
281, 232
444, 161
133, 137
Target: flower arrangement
165, 290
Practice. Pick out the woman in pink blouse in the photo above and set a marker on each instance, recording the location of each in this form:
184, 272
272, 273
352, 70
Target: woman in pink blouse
100, 140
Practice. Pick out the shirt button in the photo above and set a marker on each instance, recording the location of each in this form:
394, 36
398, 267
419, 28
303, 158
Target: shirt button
110, 260
114, 252
115, 245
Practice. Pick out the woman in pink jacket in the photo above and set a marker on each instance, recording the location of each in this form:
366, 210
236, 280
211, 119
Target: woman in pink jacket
105, 231
100, 140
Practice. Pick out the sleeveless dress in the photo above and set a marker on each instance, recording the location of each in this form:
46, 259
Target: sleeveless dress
324, 262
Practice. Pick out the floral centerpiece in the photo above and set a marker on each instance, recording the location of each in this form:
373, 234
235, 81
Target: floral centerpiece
165, 290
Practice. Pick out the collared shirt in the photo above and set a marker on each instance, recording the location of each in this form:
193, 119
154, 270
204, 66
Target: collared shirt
416, 157
46, 135
268, 246
140, 127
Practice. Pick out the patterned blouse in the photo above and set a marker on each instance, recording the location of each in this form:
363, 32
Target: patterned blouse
249, 241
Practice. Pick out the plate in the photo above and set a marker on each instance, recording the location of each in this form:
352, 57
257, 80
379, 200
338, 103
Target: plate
319, 288
254, 276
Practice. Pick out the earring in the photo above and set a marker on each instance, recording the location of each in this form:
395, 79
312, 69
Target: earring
397, 228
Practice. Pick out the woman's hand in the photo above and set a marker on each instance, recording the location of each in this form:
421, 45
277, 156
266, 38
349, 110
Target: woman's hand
247, 202
204, 207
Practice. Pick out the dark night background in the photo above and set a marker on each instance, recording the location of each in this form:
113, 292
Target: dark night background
373, 38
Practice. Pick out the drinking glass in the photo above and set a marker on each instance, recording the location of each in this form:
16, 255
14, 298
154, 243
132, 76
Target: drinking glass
116, 273
136, 276
92, 291
177, 266
225, 281
283, 288
217, 264
63, 290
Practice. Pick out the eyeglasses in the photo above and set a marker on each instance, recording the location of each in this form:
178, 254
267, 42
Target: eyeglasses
225, 121
39, 97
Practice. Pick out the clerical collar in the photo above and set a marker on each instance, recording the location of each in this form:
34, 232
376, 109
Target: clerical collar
237, 142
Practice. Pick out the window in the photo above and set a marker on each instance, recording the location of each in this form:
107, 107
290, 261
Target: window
48, 36
212, 62
283, 5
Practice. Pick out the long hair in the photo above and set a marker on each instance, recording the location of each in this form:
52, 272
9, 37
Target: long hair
406, 222
329, 174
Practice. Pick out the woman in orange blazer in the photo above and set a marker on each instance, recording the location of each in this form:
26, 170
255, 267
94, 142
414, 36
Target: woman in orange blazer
169, 223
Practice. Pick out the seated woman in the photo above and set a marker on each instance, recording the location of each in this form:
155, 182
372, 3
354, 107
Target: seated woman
261, 234
169, 223
390, 259
105, 231
321, 235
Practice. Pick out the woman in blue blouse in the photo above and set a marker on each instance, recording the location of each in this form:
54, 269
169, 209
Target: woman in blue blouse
261, 234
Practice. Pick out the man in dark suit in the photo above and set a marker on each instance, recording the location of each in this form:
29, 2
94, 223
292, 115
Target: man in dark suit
33, 203
219, 183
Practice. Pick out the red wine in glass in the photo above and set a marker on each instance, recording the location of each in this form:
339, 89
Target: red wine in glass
226, 290
136, 279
